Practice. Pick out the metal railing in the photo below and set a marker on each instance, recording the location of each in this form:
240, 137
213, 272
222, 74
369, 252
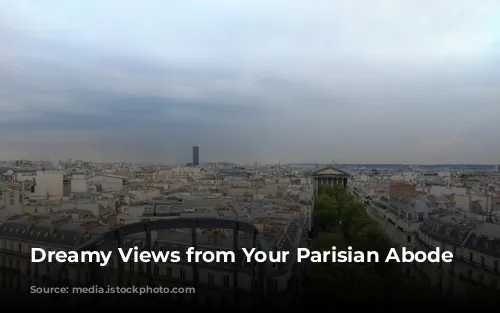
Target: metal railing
261, 274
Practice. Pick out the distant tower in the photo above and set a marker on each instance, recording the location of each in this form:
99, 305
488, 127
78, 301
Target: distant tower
196, 155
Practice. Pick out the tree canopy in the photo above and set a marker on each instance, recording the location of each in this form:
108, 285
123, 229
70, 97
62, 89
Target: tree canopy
341, 221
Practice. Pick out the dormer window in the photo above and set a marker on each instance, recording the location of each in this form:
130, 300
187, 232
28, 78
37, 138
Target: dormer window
486, 243
38, 234
448, 231
474, 241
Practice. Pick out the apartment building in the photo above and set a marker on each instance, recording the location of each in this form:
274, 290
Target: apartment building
108, 183
476, 248
217, 284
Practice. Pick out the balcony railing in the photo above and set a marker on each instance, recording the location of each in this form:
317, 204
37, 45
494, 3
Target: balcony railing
490, 269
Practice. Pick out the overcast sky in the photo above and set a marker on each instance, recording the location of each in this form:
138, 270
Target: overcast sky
373, 81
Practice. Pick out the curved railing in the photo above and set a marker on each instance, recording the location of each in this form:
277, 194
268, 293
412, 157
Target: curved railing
261, 271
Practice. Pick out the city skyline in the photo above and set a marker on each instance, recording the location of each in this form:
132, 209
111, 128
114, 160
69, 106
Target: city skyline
31, 162
405, 83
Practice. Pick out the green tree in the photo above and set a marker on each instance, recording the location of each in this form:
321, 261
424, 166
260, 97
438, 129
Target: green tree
326, 240
327, 190
326, 219
324, 202
343, 221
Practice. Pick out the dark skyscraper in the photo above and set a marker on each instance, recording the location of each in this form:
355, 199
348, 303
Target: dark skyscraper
196, 155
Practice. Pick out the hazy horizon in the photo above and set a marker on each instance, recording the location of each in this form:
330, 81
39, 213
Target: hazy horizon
360, 82
266, 164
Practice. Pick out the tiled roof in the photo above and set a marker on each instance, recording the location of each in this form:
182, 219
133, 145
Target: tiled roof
482, 237
63, 233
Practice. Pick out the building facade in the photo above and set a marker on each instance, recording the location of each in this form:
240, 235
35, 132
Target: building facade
476, 249
329, 176
217, 284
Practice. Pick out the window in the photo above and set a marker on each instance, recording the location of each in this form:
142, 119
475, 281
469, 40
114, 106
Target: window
408, 238
140, 265
131, 266
481, 278
156, 269
482, 260
225, 281
169, 272
210, 279
495, 266
471, 256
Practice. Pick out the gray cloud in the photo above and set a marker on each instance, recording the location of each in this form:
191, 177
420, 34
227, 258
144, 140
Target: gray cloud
273, 83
